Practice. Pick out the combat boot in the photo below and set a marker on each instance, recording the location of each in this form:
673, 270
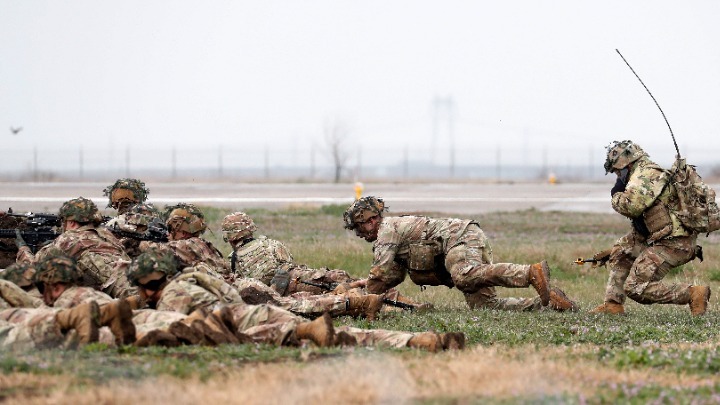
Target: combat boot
225, 320
186, 334
344, 339
453, 341
320, 331
84, 318
699, 297
429, 341
560, 302
157, 337
365, 305
540, 279
118, 316
220, 333
609, 308
136, 302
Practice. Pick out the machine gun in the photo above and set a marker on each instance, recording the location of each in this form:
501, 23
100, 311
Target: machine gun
332, 286
35, 221
154, 233
36, 229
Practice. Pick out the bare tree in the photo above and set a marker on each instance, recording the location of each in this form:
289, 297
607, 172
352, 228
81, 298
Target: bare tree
336, 133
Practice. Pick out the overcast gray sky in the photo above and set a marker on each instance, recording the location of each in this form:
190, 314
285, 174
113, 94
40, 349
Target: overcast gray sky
522, 74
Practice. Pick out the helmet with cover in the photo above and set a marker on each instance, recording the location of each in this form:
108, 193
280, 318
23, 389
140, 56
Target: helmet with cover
185, 217
57, 267
21, 274
621, 153
125, 192
237, 226
80, 210
362, 210
157, 263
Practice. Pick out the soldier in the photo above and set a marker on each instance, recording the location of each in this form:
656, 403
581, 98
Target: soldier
98, 253
17, 289
185, 224
657, 241
156, 275
57, 278
125, 193
140, 222
451, 252
270, 261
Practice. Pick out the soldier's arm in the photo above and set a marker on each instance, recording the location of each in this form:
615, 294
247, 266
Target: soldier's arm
642, 190
385, 272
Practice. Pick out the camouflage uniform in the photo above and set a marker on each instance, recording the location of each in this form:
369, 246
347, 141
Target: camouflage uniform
260, 258
137, 220
98, 254
642, 258
302, 303
32, 328
12, 296
467, 260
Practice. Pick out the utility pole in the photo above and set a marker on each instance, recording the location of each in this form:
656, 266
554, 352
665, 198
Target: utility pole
444, 111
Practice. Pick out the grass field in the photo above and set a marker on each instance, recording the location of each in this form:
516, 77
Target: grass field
654, 354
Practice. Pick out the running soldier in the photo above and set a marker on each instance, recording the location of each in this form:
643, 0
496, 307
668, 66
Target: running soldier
451, 252
657, 241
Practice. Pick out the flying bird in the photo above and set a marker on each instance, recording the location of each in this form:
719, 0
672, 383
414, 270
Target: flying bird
15, 130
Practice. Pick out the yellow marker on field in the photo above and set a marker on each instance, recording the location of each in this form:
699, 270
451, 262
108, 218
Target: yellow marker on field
358, 190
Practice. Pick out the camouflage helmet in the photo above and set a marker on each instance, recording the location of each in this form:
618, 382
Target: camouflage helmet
622, 153
154, 260
57, 268
362, 210
237, 226
185, 217
128, 190
81, 210
21, 274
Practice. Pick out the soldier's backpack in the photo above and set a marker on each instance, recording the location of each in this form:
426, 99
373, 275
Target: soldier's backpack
698, 209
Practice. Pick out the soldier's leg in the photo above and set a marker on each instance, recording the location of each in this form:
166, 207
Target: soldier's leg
622, 257
398, 339
50, 327
317, 276
12, 296
265, 323
486, 297
644, 283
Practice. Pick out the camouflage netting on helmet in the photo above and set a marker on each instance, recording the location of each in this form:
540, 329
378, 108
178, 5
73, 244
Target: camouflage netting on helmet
57, 268
152, 260
622, 153
362, 210
22, 274
126, 189
81, 210
237, 226
185, 217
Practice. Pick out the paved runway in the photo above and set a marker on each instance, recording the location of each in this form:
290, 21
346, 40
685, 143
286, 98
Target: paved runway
465, 198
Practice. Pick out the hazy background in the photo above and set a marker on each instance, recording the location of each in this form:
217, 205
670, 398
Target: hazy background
484, 89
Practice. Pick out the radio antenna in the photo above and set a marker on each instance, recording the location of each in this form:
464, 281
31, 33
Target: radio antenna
656, 103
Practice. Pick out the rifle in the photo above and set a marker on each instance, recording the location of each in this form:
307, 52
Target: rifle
332, 286
35, 221
34, 238
154, 233
580, 261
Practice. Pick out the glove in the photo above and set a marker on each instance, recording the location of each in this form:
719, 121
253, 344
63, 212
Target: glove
602, 257
341, 289
618, 187
19, 241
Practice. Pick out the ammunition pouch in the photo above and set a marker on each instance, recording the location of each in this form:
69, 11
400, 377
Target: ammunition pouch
658, 222
426, 264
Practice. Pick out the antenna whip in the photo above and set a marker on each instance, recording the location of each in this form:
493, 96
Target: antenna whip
656, 103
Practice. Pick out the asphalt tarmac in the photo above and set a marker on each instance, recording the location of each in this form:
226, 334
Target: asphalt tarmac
454, 198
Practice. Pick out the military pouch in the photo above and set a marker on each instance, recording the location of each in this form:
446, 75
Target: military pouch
433, 278
658, 222
422, 255
280, 281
